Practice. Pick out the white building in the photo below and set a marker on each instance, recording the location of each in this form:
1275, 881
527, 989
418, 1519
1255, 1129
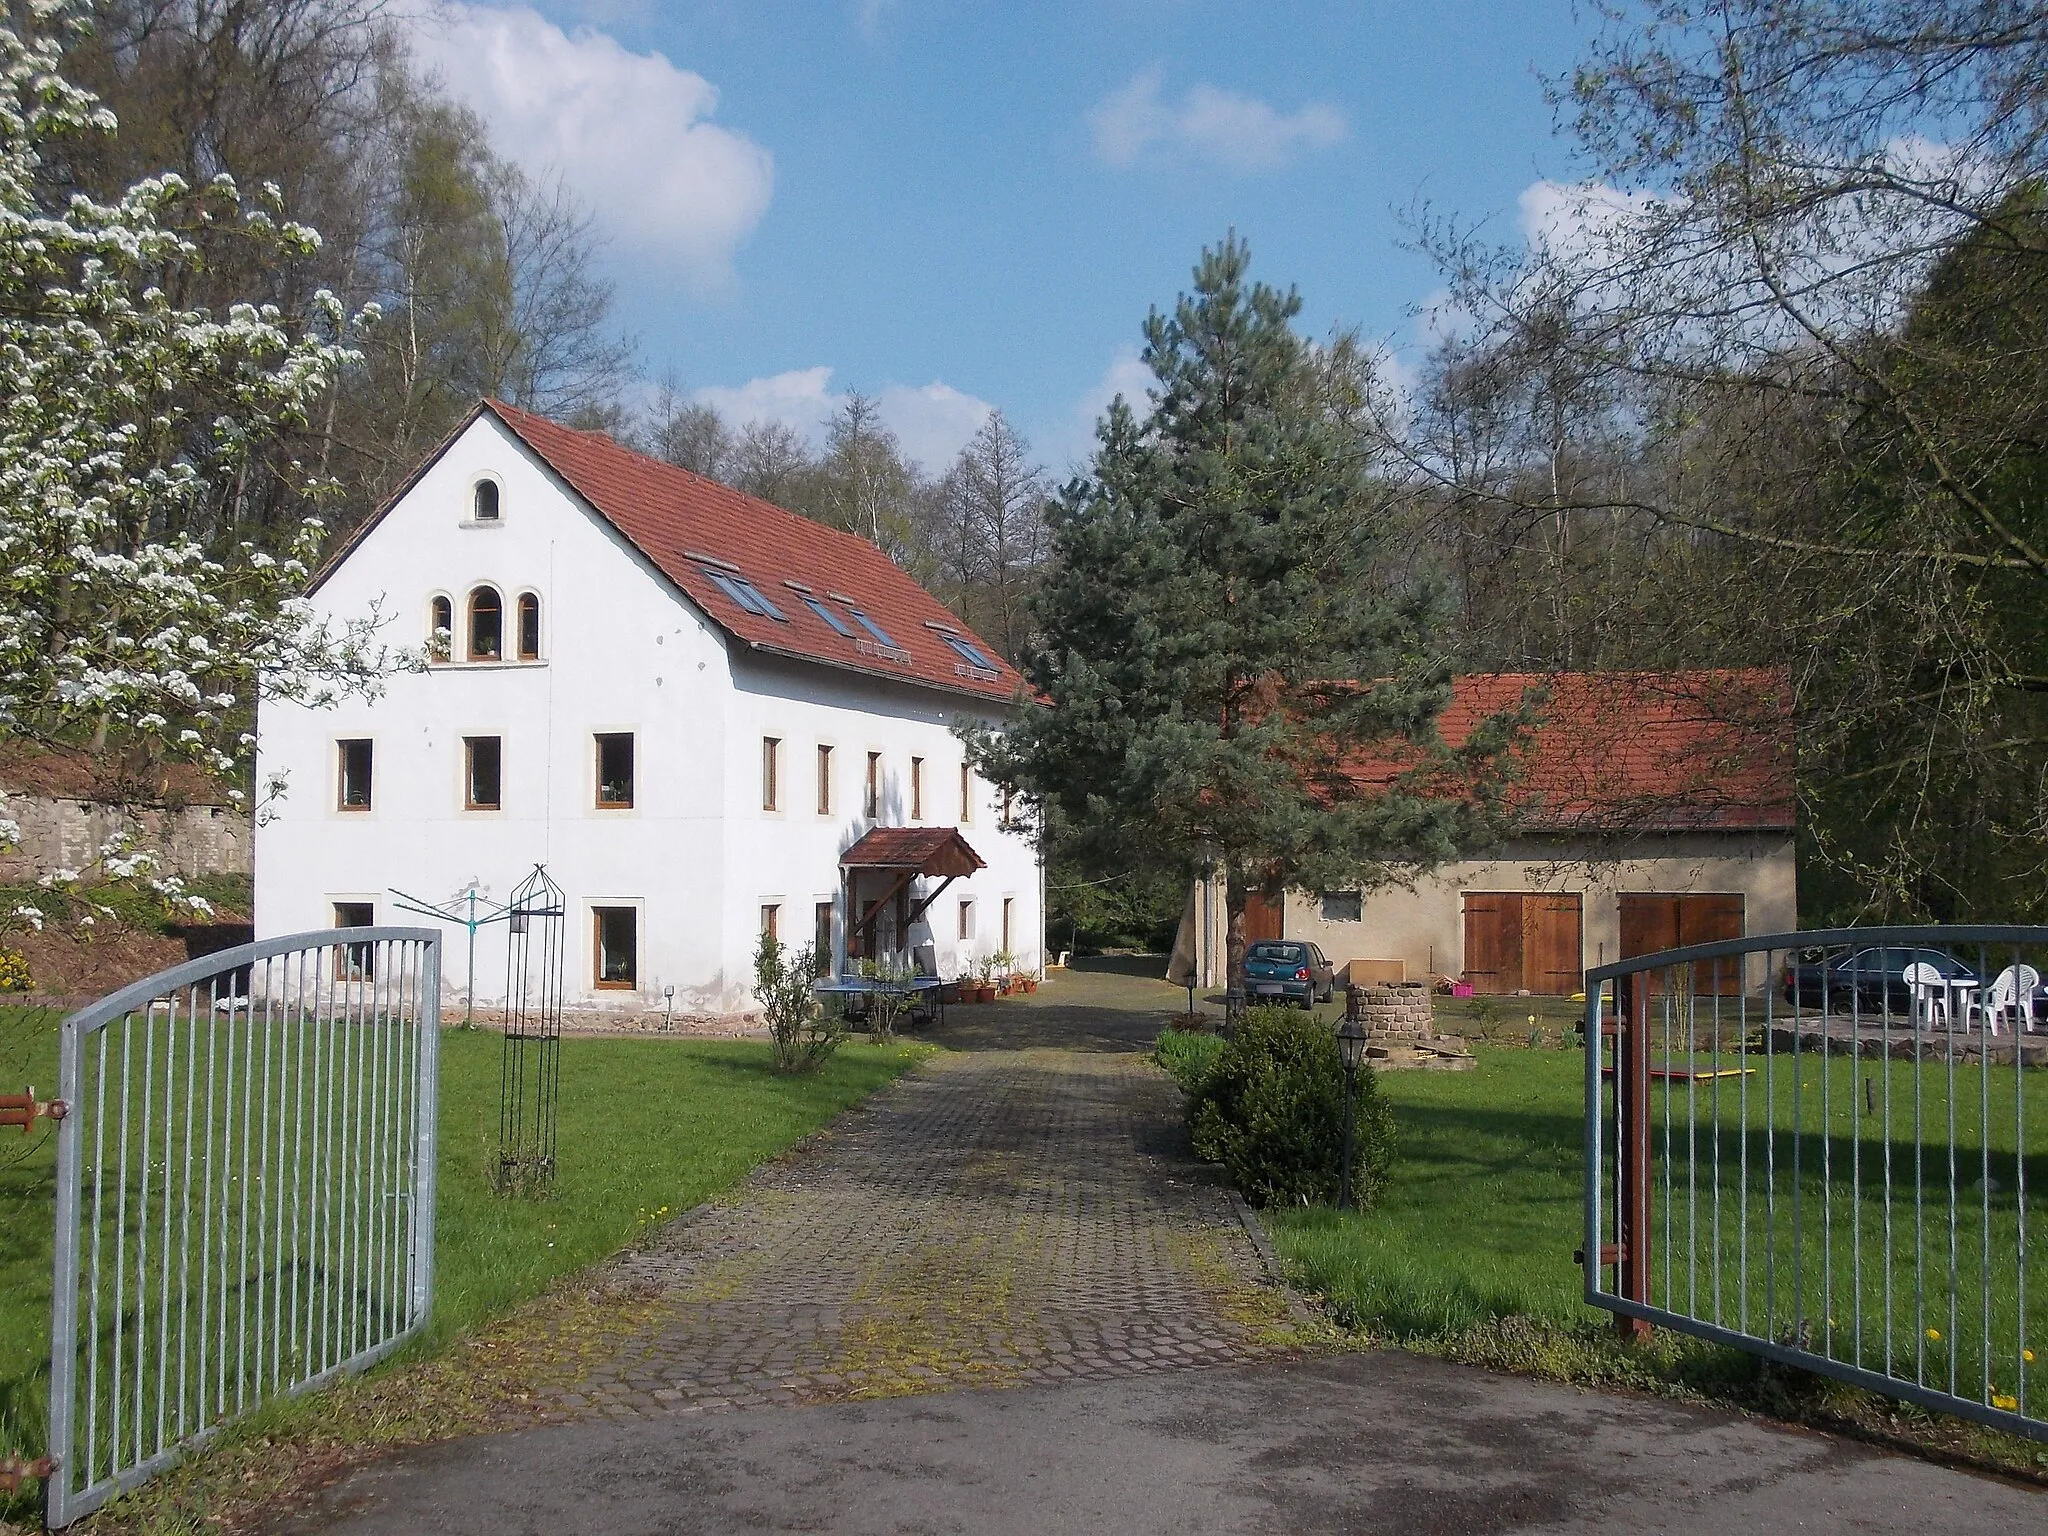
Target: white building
686, 703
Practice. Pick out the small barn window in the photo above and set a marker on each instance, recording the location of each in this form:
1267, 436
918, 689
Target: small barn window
355, 962
874, 800
615, 771
771, 773
486, 625
966, 930
484, 502
917, 789
771, 921
529, 626
824, 780
441, 628
966, 794
1343, 906
1009, 906
821, 952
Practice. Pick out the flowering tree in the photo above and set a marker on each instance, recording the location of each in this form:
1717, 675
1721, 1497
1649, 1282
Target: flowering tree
124, 413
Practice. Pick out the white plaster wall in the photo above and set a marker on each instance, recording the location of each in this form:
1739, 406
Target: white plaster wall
621, 651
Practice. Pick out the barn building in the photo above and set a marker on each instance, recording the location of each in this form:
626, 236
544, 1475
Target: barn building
1654, 809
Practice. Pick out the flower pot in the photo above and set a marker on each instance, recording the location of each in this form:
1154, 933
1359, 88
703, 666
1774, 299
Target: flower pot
985, 992
950, 992
1028, 983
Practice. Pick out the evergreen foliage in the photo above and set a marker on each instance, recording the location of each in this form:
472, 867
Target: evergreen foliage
1224, 625
1271, 1110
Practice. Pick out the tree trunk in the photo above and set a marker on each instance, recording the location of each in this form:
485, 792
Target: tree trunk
1234, 898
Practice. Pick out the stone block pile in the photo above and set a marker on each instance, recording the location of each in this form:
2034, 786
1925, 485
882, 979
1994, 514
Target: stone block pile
1400, 1028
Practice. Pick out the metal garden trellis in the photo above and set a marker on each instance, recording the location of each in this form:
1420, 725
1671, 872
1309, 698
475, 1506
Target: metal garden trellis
531, 1067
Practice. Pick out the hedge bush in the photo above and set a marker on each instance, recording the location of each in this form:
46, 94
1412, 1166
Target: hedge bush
1271, 1111
1188, 1056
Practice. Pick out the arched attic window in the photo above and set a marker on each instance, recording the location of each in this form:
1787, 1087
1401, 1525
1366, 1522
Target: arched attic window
486, 625
440, 628
529, 626
484, 502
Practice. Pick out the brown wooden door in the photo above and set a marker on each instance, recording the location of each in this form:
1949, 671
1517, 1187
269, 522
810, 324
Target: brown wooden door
1493, 941
1553, 952
1262, 918
1654, 920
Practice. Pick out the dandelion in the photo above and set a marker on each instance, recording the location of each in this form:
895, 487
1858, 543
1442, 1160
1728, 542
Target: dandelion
2000, 1400
1934, 1334
2027, 1355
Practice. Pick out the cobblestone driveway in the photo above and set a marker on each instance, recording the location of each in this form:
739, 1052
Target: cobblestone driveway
1000, 1216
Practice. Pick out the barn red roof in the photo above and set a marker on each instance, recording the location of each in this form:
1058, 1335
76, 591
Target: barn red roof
1707, 750
695, 531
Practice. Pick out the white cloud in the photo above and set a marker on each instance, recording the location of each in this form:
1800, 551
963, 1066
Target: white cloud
1222, 128
1070, 444
932, 421
800, 399
868, 14
630, 133
1562, 219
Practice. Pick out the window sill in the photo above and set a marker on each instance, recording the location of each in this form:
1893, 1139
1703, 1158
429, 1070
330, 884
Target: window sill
613, 805
485, 664
616, 986
481, 522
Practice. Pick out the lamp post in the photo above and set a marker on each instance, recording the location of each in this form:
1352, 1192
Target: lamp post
1351, 1044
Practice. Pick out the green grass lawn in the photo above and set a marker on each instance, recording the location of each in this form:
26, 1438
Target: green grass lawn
648, 1129
1485, 1207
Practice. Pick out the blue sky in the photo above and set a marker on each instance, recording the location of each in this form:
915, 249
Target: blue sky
955, 205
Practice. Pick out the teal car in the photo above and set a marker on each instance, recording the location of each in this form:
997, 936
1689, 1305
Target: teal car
1287, 971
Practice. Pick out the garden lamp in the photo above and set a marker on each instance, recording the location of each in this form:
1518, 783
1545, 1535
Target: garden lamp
1351, 1045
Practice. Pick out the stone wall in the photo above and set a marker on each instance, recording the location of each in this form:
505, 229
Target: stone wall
1397, 1011
59, 833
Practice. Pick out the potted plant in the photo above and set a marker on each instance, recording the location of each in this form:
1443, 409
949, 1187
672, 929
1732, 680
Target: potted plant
985, 986
1006, 981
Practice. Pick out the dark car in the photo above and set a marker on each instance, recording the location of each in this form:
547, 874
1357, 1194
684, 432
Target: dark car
1873, 978
1289, 969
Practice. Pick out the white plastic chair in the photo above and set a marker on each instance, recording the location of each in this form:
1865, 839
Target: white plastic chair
1929, 990
2013, 992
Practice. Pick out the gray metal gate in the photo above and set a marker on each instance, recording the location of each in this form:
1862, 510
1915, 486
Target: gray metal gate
245, 1193
1819, 1147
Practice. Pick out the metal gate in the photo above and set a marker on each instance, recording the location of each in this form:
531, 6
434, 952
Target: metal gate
1821, 1148
245, 1193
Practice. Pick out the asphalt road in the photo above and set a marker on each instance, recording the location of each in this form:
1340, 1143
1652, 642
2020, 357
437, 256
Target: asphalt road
1374, 1442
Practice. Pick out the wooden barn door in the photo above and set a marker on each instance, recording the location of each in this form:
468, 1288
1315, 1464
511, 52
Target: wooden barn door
1262, 919
1553, 944
1653, 920
1493, 941
1523, 941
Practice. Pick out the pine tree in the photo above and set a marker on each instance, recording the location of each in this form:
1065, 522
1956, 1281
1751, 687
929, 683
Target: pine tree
1219, 634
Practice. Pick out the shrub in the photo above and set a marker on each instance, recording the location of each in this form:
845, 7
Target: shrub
1271, 1110
1188, 1057
800, 1032
14, 976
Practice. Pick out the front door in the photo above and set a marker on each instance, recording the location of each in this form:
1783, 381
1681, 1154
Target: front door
1524, 941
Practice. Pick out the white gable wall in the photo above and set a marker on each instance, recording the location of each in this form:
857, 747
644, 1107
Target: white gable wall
621, 651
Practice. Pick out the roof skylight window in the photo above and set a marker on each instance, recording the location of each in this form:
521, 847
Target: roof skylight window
831, 618
881, 635
745, 595
968, 652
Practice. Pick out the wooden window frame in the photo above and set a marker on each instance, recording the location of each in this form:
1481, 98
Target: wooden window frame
469, 760
440, 636
824, 779
597, 949
477, 498
874, 787
771, 773
824, 915
1009, 911
528, 603
965, 928
355, 962
771, 920
967, 794
342, 775
598, 739
469, 647
917, 789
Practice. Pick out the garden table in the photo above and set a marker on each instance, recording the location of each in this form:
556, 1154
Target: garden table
927, 994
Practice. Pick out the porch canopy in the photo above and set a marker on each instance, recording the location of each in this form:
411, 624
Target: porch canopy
902, 854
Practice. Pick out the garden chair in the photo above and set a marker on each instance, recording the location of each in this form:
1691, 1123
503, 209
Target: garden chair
2013, 992
1928, 989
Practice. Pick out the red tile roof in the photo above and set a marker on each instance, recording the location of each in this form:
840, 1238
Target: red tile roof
928, 850
1706, 750
673, 516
